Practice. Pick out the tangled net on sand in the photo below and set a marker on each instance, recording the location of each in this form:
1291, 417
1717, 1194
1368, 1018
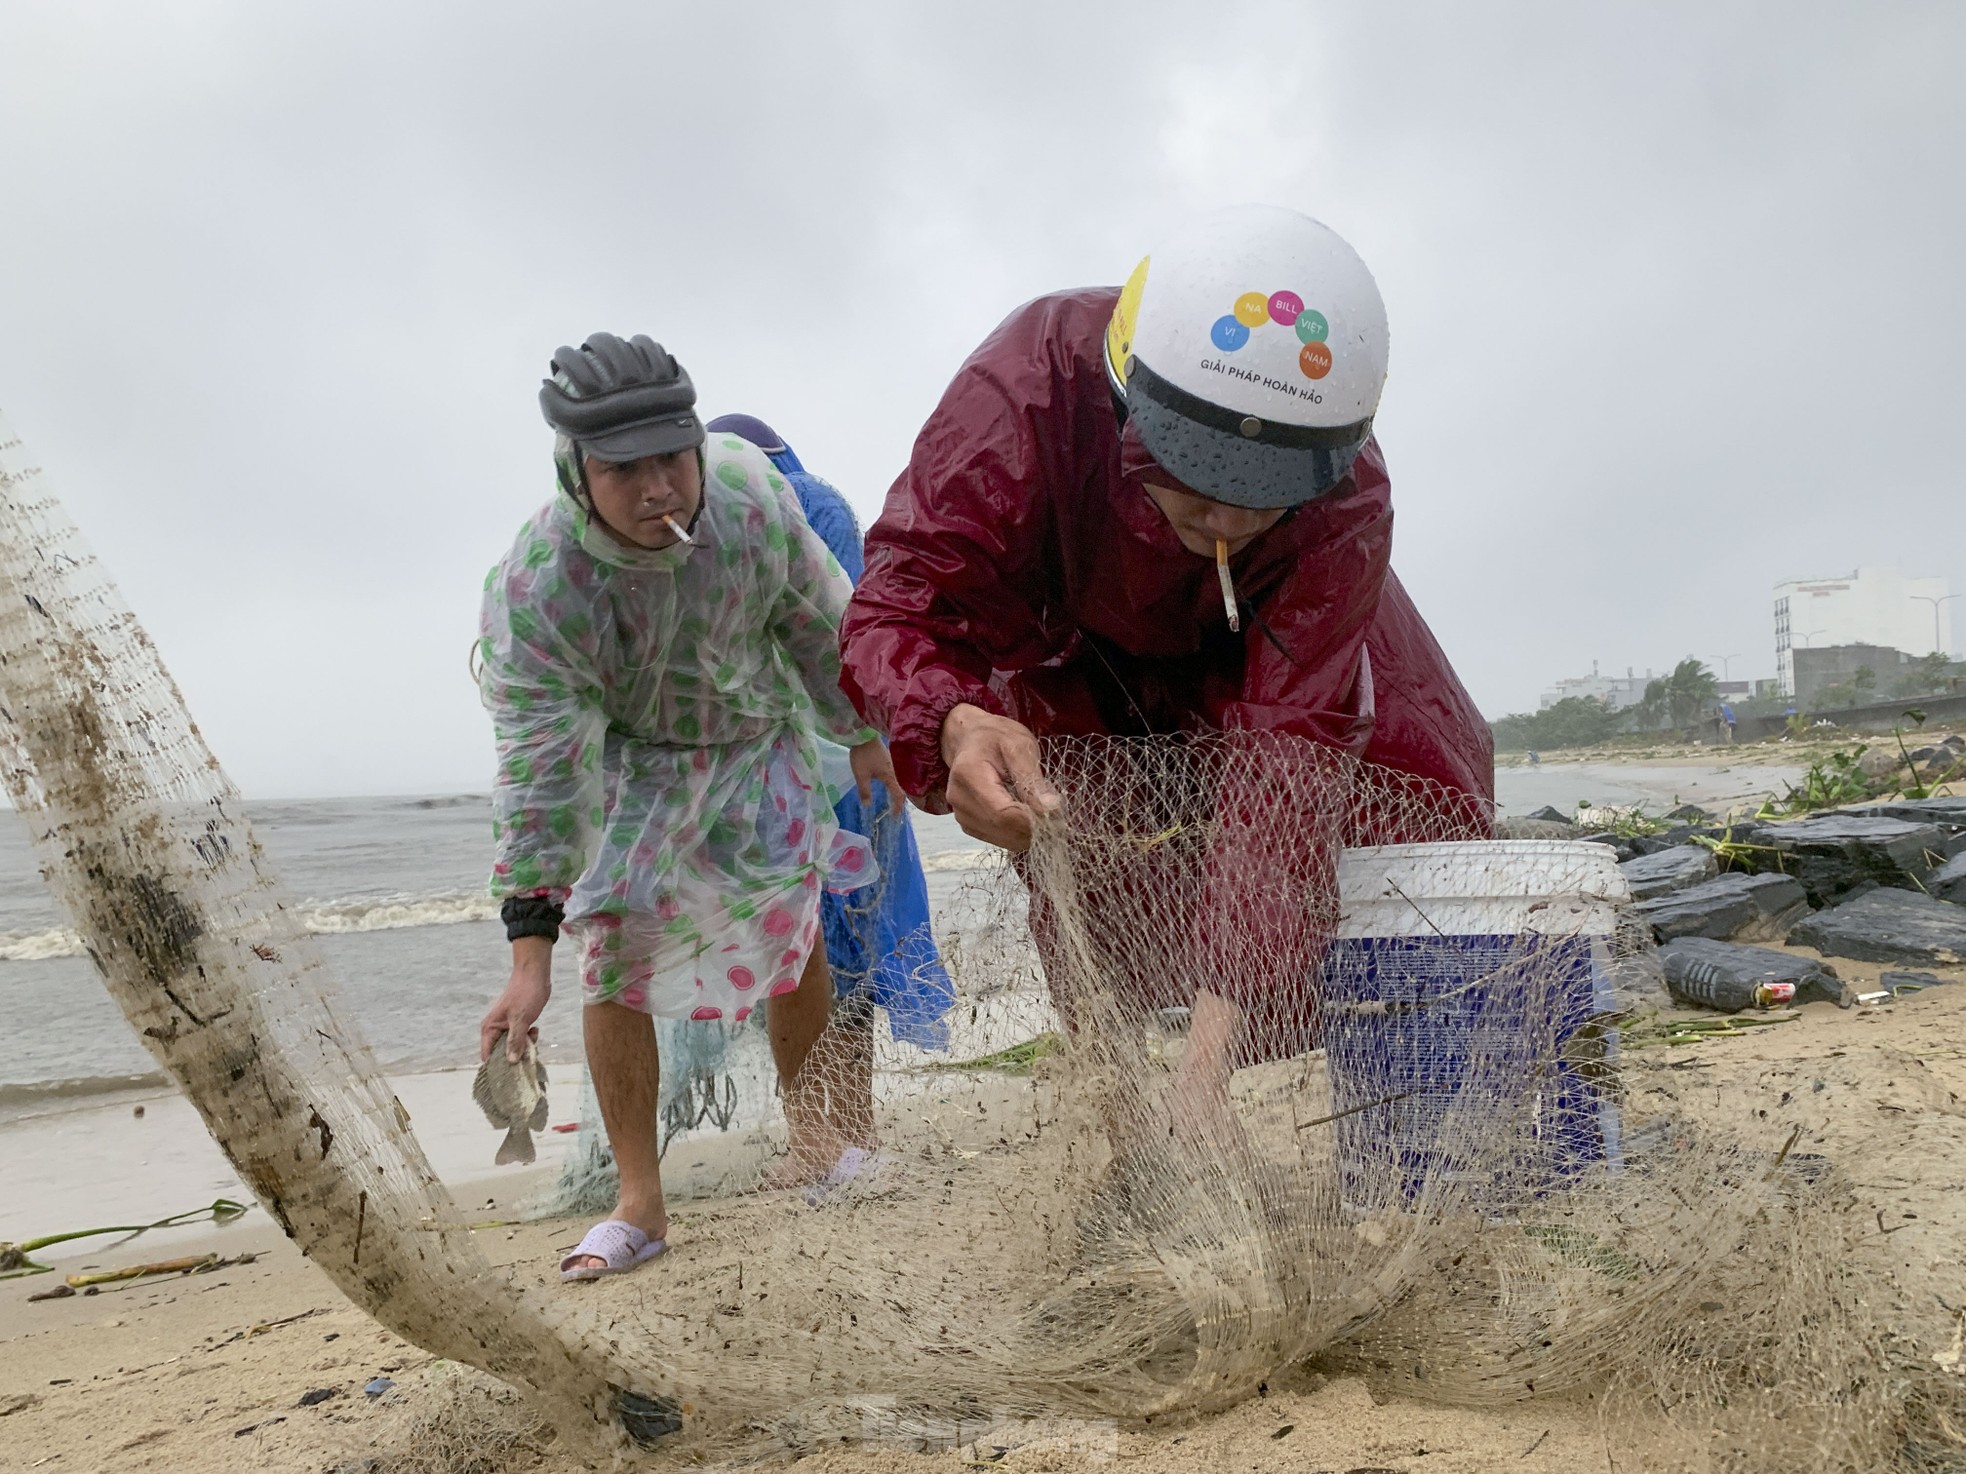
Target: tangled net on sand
1431, 1164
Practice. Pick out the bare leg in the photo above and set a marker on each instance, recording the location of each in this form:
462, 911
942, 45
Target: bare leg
796, 1022
1200, 1099
853, 1092
627, 1072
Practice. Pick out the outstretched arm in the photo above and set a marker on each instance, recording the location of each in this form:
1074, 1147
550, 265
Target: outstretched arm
952, 590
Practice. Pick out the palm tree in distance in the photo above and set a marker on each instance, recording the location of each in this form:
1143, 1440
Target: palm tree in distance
1691, 692
1680, 698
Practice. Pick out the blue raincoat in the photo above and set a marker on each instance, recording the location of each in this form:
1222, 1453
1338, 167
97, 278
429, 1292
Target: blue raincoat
878, 939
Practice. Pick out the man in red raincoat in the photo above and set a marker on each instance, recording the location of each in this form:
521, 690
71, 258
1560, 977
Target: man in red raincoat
1152, 510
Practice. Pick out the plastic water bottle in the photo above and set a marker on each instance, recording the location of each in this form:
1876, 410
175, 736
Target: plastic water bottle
1702, 983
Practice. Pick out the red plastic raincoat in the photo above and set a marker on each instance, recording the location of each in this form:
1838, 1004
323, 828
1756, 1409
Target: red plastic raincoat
1018, 568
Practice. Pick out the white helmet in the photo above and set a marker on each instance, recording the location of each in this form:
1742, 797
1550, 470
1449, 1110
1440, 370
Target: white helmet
1250, 351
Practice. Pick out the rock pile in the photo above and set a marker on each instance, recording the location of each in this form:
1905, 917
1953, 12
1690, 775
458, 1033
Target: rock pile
1880, 882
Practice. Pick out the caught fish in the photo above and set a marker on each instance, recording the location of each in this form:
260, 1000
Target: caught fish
512, 1096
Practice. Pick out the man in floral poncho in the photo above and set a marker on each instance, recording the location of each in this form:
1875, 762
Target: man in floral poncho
660, 655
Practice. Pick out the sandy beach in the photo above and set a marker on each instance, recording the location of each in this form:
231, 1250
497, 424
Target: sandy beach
209, 1372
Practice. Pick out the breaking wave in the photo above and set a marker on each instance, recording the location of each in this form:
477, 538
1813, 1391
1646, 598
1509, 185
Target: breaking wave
387, 913
24, 1096
365, 913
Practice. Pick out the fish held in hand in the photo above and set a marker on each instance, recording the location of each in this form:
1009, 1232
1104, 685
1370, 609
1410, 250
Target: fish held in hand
512, 1096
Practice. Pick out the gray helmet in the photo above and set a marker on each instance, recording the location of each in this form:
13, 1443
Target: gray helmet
620, 401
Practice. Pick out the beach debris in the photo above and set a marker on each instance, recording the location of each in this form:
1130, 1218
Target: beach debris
1888, 926
376, 1386
137, 1111
15, 1259
1018, 1059
646, 1419
1728, 908
1698, 1031
190, 1264
317, 1396
255, 1427
54, 1292
17, 1402
1669, 870
1897, 984
513, 1098
1731, 977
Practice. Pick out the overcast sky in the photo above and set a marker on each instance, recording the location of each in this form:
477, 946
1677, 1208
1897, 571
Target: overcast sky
1675, 292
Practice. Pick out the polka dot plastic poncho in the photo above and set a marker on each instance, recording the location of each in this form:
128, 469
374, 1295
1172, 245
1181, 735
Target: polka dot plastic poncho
657, 714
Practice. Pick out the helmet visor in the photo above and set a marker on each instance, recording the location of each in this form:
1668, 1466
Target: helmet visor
1246, 463
661, 437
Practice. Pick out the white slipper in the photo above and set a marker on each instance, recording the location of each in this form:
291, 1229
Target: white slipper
622, 1245
856, 1164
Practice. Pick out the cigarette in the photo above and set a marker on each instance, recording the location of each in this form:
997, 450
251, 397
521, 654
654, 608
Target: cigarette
676, 528
1228, 588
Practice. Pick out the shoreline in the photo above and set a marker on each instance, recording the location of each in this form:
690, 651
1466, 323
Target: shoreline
100, 1163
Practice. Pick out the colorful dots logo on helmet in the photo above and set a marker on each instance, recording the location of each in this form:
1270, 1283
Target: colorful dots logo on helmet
1229, 333
1284, 309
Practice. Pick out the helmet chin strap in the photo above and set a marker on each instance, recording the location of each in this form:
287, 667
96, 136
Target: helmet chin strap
576, 487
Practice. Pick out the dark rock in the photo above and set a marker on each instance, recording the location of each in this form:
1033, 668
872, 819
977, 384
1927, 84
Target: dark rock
1947, 813
1551, 815
1693, 814
1835, 856
319, 1394
1668, 839
1948, 882
1509, 828
1620, 845
1731, 908
1726, 975
1888, 926
1669, 870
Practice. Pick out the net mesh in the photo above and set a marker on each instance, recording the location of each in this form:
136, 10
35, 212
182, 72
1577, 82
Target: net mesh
1432, 1161
1260, 1058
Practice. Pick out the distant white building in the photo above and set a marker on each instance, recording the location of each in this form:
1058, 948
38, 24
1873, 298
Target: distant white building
1616, 692
1873, 606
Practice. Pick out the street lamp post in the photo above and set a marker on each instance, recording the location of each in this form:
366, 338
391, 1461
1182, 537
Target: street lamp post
1726, 665
1935, 601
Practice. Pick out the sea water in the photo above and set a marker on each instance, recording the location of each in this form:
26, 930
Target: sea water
394, 888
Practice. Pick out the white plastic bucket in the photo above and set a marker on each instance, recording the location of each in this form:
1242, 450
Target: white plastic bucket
1466, 977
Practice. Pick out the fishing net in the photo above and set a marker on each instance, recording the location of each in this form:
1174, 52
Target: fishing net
1260, 1059
1433, 1158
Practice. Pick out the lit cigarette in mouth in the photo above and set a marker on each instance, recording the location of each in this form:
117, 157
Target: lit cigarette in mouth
1228, 588
676, 527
